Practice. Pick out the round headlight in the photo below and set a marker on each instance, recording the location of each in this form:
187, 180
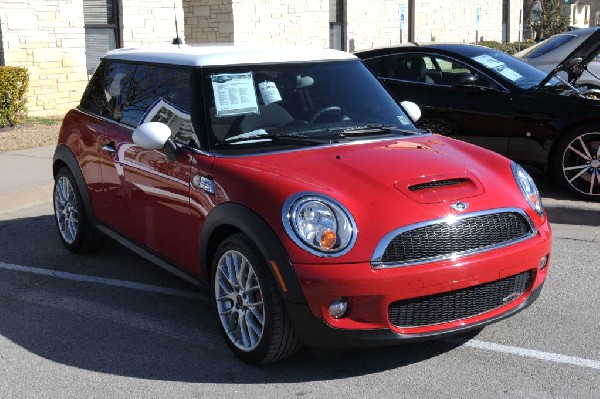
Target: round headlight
319, 224
528, 188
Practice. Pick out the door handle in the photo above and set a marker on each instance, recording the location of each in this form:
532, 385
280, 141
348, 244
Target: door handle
109, 148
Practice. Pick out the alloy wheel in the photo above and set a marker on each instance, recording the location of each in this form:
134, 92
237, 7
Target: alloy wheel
581, 163
239, 300
66, 209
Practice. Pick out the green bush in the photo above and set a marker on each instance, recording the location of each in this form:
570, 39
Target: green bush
14, 82
509, 48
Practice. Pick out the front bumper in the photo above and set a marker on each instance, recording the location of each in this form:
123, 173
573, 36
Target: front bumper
369, 293
315, 333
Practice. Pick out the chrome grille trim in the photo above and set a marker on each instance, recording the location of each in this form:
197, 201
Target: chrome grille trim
377, 259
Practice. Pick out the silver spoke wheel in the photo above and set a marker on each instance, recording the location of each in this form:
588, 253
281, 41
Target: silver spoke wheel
581, 164
66, 209
239, 300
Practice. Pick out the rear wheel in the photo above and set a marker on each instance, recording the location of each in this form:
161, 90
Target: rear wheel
577, 162
250, 308
75, 229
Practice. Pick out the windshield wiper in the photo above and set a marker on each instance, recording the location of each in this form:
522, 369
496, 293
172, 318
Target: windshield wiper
263, 135
374, 129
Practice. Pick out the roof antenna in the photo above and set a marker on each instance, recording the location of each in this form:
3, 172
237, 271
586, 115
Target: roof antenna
177, 40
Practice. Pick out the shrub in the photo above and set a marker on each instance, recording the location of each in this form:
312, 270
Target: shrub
14, 82
509, 48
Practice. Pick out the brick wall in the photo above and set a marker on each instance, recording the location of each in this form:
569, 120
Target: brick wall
48, 40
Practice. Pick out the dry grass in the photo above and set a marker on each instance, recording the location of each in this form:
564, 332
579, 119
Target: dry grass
35, 132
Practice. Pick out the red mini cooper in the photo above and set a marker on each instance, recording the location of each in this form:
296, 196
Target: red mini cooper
289, 185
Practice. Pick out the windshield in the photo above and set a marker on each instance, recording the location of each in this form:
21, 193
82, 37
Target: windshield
264, 107
508, 68
548, 45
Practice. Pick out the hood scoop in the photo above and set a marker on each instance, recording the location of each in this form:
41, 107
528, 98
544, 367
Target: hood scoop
437, 184
440, 188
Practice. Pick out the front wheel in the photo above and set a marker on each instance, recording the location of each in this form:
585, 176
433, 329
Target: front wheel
250, 308
577, 162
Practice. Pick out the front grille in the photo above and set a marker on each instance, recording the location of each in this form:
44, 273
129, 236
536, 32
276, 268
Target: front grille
444, 239
460, 304
437, 184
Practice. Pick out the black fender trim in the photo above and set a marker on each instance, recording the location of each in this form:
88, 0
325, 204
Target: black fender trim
314, 332
63, 154
230, 217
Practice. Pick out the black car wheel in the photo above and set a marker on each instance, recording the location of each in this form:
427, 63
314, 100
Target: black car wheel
577, 162
75, 230
249, 306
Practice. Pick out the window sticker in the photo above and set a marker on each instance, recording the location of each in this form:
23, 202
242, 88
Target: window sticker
179, 121
498, 66
269, 92
234, 94
403, 119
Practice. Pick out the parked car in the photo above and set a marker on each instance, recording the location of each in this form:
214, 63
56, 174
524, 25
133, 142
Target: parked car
492, 99
548, 54
290, 186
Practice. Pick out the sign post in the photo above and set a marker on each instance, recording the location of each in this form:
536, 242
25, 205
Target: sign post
477, 20
402, 11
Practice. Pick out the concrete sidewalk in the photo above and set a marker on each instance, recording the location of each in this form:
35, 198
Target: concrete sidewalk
26, 180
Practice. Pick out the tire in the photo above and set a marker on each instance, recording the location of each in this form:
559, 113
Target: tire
250, 309
577, 162
76, 231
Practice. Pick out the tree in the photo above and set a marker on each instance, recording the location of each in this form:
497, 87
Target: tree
550, 18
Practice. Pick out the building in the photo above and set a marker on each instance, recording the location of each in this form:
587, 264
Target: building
61, 41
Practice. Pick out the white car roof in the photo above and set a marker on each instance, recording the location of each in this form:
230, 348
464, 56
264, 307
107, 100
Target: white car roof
215, 55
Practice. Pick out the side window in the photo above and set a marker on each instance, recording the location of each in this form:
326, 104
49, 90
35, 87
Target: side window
412, 68
450, 72
160, 94
107, 89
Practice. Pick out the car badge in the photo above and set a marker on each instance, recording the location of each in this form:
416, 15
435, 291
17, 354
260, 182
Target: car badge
511, 297
460, 206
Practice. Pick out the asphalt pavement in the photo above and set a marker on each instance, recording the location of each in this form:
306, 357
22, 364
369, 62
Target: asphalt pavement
26, 180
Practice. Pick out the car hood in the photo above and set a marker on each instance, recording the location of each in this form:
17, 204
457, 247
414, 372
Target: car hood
426, 170
576, 62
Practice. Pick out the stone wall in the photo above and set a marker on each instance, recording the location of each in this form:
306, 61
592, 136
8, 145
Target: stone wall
260, 21
290, 22
151, 21
209, 21
376, 24
48, 40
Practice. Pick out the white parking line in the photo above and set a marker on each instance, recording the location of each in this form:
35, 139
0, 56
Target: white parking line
103, 281
489, 346
548, 356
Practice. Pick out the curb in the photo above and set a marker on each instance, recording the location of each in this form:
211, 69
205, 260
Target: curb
572, 212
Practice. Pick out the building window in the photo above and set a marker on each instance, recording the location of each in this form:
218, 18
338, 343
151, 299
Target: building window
101, 30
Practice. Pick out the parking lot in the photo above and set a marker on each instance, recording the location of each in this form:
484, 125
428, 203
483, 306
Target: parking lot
114, 325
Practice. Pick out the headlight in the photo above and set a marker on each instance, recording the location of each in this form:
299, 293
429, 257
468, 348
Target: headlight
528, 188
319, 224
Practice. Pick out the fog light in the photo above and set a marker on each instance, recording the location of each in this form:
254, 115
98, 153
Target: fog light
543, 262
338, 308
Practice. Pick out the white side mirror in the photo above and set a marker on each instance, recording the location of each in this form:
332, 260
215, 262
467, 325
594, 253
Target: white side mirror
412, 109
151, 135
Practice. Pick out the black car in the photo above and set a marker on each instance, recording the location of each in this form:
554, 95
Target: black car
489, 98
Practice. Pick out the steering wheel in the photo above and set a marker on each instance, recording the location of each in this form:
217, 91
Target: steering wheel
332, 111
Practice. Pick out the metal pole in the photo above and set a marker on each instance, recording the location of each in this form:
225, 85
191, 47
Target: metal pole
411, 20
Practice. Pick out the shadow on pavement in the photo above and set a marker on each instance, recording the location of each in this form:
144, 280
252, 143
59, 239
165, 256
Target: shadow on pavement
139, 334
